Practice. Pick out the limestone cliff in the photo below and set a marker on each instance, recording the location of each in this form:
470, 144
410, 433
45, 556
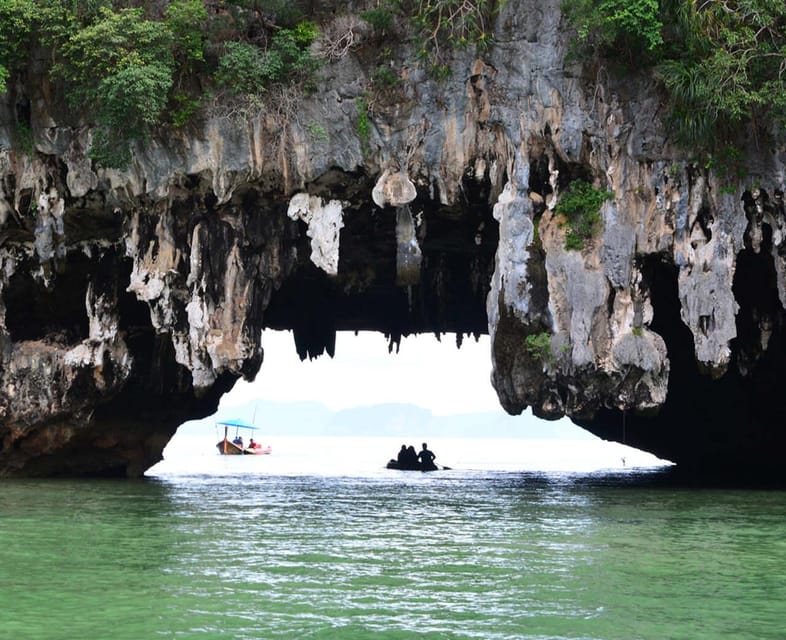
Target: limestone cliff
131, 300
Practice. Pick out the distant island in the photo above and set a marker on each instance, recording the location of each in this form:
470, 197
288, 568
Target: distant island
394, 419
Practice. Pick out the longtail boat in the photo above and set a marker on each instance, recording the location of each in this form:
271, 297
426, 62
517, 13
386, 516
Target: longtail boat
227, 447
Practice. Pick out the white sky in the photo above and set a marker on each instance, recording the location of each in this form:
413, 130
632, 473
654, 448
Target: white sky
432, 374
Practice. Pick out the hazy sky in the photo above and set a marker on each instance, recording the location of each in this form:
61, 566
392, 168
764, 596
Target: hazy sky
432, 374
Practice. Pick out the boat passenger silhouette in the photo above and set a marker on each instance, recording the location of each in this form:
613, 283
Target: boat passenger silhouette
406, 459
426, 458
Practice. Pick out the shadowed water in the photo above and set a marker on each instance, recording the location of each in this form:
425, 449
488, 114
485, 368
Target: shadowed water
245, 551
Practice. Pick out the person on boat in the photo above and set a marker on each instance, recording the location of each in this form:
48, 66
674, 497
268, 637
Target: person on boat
427, 458
412, 458
238, 441
252, 444
402, 457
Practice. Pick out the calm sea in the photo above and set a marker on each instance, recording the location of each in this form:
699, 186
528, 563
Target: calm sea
318, 541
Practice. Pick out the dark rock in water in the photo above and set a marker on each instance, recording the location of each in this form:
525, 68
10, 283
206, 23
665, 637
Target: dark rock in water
130, 301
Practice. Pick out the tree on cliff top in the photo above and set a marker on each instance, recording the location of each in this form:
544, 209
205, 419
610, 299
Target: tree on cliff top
722, 63
123, 65
16, 18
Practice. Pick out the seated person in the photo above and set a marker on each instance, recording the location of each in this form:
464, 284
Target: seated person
426, 458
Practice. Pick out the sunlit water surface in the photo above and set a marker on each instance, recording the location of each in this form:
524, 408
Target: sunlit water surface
239, 547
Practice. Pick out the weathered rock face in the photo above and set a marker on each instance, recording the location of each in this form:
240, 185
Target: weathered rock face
653, 341
131, 300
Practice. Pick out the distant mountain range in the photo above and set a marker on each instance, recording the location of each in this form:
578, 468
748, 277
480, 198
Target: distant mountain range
406, 420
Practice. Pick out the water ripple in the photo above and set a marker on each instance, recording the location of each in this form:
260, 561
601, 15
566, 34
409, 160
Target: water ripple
465, 556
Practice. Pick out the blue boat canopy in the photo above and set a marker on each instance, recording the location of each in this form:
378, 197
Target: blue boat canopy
237, 423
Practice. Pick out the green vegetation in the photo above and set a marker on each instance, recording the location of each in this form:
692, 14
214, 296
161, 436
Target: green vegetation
363, 123
580, 204
728, 161
384, 77
16, 19
25, 137
122, 65
538, 345
381, 18
443, 24
244, 68
187, 20
439, 26
317, 132
612, 26
113, 43
131, 101
183, 109
722, 64
128, 70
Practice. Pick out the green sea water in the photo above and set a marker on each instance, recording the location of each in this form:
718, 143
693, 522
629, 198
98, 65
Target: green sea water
455, 555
